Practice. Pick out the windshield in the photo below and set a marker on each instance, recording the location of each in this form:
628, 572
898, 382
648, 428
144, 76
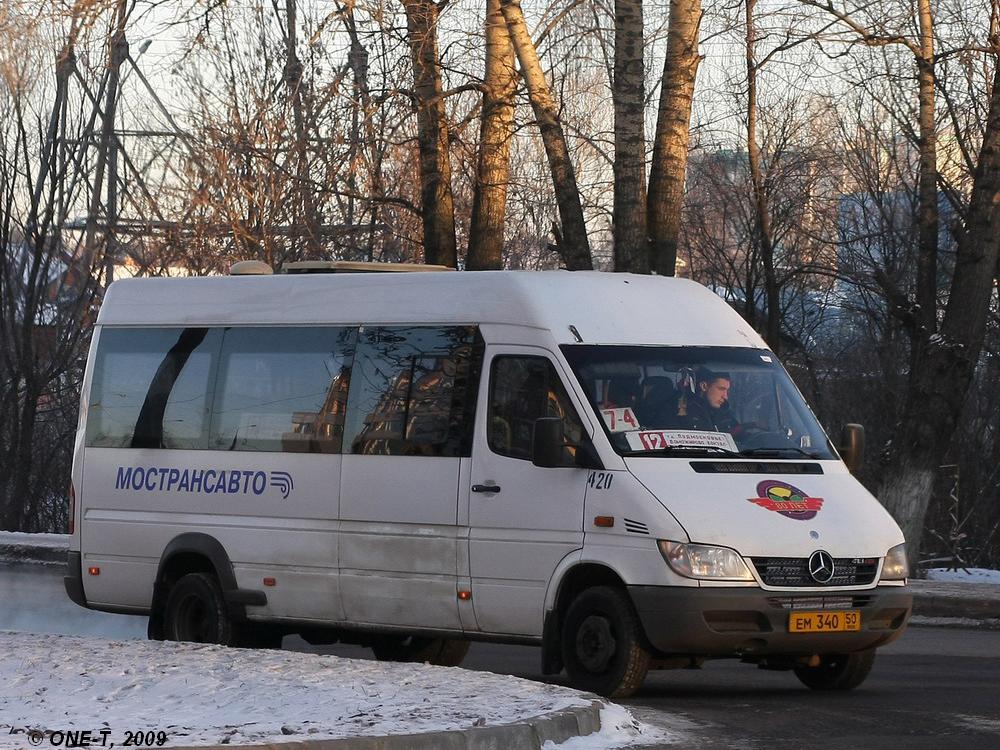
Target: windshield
658, 400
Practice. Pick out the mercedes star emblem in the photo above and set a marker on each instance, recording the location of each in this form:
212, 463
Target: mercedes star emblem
821, 566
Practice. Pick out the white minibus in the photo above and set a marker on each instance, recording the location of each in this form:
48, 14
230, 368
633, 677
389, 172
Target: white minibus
610, 466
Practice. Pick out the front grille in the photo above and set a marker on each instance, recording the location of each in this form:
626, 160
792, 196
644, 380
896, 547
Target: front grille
794, 571
819, 602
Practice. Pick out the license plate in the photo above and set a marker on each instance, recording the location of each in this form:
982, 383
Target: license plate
824, 622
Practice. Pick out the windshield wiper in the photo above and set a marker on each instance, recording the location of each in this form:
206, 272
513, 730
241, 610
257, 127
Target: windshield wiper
777, 452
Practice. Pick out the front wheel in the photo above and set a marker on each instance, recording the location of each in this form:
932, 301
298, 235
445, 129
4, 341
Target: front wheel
602, 643
442, 652
838, 671
196, 611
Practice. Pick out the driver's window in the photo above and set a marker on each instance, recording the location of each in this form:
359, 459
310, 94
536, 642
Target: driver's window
523, 389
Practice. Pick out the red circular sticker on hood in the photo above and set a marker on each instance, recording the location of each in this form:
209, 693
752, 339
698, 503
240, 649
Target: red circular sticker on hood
787, 500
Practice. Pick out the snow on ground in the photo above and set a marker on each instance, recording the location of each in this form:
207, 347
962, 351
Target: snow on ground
619, 729
955, 622
202, 694
964, 575
55, 541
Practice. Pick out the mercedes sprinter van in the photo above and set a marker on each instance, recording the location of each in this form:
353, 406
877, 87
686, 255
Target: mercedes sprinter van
610, 466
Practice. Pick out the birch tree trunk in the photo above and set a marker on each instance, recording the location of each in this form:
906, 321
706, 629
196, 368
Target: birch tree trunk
763, 232
436, 202
940, 382
573, 246
925, 315
673, 132
631, 236
489, 201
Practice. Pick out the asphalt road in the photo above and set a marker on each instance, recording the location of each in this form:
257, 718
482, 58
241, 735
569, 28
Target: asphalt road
934, 688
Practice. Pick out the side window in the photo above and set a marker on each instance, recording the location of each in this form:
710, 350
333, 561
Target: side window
522, 389
414, 391
282, 389
151, 388
251, 389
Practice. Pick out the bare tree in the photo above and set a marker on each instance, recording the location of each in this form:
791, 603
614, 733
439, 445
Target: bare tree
437, 205
489, 207
883, 30
306, 208
673, 125
631, 236
941, 378
49, 282
572, 245
763, 234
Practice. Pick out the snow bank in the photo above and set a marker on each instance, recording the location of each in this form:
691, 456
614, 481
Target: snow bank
203, 695
964, 575
620, 729
53, 541
43, 549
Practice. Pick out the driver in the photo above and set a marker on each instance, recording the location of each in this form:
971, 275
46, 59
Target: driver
708, 407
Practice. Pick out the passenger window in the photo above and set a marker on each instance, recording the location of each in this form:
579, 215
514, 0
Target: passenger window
151, 388
249, 389
523, 389
414, 391
282, 389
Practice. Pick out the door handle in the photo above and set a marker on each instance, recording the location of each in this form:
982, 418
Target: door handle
491, 488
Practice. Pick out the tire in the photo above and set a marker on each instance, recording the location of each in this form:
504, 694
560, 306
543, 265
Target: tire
603, 646
196, 612
838, 671
442, 652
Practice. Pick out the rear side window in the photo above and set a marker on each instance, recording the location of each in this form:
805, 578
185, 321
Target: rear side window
151, 388
523, 389
252, 389
282, 389
413, 391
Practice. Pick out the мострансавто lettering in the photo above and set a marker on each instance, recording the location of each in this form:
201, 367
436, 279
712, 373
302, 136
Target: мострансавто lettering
207, 481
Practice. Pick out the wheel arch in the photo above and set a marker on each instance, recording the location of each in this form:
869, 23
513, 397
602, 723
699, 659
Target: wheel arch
577, 576
196, 552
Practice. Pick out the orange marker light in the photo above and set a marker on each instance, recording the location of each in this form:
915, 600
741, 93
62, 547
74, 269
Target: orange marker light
270, 582
605, 522
465, 595
94, 571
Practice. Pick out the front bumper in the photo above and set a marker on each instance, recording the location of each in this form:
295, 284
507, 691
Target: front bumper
749, 622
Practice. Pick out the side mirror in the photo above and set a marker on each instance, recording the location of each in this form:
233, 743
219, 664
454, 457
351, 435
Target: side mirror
549, 443
852, 446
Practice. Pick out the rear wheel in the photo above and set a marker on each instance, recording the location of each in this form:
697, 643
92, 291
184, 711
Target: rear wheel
196, 611
602, 643
443, 652
838, 671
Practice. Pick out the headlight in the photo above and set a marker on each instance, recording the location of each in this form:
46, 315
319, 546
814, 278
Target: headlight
895, 567
704, 561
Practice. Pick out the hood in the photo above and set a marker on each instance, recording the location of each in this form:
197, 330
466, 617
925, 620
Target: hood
775, 514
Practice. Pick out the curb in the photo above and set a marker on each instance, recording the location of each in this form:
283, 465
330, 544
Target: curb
950, 603
961, 623
529, 734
